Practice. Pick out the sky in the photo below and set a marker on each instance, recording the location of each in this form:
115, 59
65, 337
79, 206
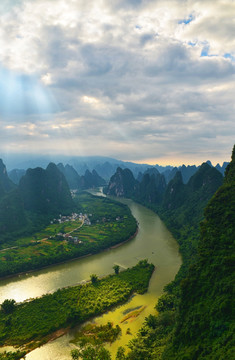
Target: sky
149, 81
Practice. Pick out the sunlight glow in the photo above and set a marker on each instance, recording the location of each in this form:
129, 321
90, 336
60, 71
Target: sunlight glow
22, 95
46, 79
90, 100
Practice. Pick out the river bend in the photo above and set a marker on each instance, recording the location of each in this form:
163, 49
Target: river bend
153, 242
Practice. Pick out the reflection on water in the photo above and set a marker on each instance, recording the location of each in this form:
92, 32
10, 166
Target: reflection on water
153, 242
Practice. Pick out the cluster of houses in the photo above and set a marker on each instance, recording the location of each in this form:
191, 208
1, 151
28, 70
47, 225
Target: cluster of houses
73, 217
86, 219
71, 238
63, 218
73, 192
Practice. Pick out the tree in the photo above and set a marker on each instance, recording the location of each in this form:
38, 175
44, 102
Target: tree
143, 263
74, 315
120, 353
116, 268
165, 302
8, 306
151, 321
94, 278
103, 354
75, 354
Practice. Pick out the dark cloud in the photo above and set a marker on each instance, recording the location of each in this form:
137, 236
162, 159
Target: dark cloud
97, 60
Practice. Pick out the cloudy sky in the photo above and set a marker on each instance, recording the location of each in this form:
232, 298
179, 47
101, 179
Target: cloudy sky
141, 80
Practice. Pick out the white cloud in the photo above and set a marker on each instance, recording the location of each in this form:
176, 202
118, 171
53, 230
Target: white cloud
117, 74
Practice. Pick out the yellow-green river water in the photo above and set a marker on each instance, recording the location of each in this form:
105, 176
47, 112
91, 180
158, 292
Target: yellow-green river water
153, 242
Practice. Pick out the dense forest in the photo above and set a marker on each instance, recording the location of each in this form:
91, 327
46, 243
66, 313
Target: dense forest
194, 315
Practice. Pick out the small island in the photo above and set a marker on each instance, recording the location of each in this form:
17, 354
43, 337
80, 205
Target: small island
35, 322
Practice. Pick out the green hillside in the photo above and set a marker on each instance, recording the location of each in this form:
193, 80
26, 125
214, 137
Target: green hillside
204, 328
45, 191
195, 319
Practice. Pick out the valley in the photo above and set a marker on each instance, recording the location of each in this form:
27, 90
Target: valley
101, 223
153, 241
181, 205
117, 184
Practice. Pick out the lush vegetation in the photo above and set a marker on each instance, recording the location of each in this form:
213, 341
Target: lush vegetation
108, 223
90, 352
31, 323
96, 335
194, 318
205, 326
26, 208
16, 355
182, 211
179, 205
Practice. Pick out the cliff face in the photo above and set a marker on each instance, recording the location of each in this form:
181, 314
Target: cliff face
122, 183
45, 191
75, 181
204, 328
151, 189
195, 313
187, 172
12, 215
16, 174
90, 180
175, 194
71, 175
5, 183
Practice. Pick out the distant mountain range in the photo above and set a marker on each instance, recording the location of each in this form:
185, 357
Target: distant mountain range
104, 167
86, 181
46, 191
151, 187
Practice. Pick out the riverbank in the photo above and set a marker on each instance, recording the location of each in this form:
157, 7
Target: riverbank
109, 223
70, 260
124, 242
49, 317
153, 241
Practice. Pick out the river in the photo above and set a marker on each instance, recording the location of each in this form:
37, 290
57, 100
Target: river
153, 242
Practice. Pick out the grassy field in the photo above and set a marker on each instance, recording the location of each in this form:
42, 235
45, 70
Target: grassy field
106, 224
